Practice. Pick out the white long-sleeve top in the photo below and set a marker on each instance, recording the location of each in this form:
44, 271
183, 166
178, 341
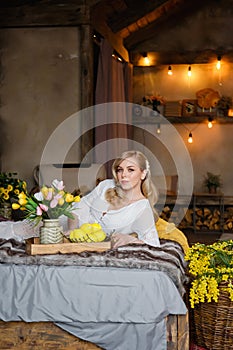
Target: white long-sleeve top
136, 217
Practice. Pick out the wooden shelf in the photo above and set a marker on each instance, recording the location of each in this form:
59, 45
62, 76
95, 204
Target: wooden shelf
196, 212
157, 119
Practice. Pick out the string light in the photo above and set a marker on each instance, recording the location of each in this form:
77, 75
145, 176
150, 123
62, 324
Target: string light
189, 72
218, 65
118, 58
158, 131
146, 59
210, 123
169, 70
190, 138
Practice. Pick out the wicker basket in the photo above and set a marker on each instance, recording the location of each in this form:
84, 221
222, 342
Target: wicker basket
213, 323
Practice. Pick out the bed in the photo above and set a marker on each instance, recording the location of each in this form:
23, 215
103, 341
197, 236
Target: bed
122, 299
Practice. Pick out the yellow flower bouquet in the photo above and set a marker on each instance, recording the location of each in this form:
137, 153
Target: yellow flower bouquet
210, 266
49, 203
10, 187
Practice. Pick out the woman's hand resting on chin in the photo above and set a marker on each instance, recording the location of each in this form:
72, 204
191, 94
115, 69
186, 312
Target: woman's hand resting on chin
120, 239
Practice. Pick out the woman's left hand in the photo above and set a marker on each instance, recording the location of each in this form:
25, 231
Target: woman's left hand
120, 239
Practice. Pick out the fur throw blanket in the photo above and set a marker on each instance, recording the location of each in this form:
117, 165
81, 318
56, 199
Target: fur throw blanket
168, 258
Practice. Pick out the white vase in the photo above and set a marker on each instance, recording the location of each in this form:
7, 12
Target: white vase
51, 232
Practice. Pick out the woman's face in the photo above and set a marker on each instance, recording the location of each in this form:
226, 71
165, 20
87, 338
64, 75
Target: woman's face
129, 175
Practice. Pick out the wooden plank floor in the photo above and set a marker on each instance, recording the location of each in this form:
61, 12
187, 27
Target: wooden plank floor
47, 336
39, 336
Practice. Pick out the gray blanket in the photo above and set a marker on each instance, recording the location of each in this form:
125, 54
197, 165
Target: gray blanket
168, 258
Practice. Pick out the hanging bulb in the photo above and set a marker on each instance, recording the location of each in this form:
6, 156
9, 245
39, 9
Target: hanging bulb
218, 65
169, 70
146, 59
158, 131
190, 139
189, 72
210, 123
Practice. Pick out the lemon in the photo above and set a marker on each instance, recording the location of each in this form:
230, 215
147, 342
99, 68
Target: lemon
88, 233
101, 235
77, 235
93, 237
71, 236
87, 228
96, 226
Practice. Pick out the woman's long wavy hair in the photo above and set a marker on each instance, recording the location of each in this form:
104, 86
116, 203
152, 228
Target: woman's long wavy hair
148, 189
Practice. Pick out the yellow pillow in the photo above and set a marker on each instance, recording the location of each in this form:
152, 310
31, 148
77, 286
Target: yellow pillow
168, 230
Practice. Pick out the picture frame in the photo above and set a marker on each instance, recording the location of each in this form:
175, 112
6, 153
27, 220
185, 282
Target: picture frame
189, 108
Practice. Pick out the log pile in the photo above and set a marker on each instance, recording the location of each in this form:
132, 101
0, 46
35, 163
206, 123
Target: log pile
228, 219
206, 219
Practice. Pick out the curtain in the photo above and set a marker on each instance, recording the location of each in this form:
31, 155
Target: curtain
114, 84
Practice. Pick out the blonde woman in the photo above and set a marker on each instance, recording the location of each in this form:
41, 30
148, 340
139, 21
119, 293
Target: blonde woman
123, 205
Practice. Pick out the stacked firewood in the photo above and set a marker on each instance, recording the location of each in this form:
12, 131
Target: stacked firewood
206, 219
228, 219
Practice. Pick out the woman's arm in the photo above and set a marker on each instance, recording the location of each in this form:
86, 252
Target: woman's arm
144, 225
120, 239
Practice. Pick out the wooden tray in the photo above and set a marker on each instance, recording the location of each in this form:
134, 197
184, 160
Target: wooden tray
34, 247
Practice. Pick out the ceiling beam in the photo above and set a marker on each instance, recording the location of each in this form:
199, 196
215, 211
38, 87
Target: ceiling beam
166, 18
133, 13
43, 13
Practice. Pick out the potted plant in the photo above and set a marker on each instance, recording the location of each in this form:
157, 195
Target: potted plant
211, 293
212, 182
48, 205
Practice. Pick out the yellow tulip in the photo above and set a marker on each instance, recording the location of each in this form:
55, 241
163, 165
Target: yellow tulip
69, 198
22, 195
45, 191
15, 206
22, 201
77, 199
61, 201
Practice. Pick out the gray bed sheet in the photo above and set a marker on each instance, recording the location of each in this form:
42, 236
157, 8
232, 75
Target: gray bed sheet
116, 308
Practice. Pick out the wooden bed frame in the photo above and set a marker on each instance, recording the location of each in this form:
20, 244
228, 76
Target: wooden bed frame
46, 335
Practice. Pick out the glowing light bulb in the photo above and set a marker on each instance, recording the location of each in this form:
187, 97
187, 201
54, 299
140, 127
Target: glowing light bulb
189, 72
210, 123
146, 61
190, 138
218, 65
169, 70
158, 131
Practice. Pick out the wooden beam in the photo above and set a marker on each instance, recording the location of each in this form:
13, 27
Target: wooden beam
44, 13
99, 22
132, 14
174, 11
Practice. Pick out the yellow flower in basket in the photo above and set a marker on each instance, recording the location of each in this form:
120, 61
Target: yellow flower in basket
210, 266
